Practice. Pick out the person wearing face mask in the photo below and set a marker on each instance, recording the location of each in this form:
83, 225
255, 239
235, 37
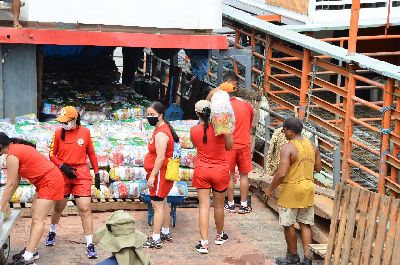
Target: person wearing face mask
24, 161
161, 148
69, 150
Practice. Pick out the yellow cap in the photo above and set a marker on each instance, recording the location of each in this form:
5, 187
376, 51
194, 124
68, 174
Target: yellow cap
227, 87
67, 113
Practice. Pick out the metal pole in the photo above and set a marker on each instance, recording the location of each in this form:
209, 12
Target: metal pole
336, 166
305, 83
267, 65
385, 133
267, 123
396, 148
353, 31
220, 70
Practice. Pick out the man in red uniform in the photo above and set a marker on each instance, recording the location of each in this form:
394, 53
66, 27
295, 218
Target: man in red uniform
240, 155
71, 146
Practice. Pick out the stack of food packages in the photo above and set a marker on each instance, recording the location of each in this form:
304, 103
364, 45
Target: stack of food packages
120, 147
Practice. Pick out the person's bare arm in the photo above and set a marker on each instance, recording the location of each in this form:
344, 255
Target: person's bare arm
228, 142
13, 180
161, 141
283, 168
318, 163
211, 93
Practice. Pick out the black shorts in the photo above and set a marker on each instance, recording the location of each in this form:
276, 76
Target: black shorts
156, 198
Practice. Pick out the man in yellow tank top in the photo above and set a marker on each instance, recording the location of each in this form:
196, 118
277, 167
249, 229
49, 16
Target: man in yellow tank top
299, 158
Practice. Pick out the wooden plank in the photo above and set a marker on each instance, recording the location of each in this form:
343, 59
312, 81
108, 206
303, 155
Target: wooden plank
342, 225
394, 215
319, 249
350, 225
8, 225
370, 229
362, 220
396, 247
333, 228
300, 6
381, 230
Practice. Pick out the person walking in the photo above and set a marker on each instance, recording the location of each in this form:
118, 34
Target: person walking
69, 150
161, 148
240, 155
299, 158
211, 172
24, 161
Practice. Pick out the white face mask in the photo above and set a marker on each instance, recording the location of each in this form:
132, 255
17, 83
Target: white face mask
68, 126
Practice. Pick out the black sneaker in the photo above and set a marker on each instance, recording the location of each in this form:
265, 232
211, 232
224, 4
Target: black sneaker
231, 209
19, 255
243, 210
290, 259
91, 252
201, 249
19, 260
306, 261
220, 240
166, 237
151, 243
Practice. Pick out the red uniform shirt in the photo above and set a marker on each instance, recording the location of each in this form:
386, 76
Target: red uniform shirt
244, 114
213, 152
75, 148
151, 156
33, 166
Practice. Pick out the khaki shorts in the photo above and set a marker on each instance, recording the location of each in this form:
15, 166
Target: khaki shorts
289, 216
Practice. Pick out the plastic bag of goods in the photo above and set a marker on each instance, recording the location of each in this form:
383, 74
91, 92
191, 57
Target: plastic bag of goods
125, 190
93, 116
104, 176
187, 157
121, 173
138, 173
179, 189
23, 194
184, 139
222, 115
103, 193
133, 155
186, 174
102, 159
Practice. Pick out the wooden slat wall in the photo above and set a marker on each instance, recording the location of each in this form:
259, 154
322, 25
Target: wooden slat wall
365, 228
299, 6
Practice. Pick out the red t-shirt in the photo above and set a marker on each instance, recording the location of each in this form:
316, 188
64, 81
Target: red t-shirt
151, 156
244, 114
211, 153
33, 166
75, 148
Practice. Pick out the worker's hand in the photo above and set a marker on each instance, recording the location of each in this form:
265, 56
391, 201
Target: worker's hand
97, 180
269, 193
6, 211
68, 171
150, 182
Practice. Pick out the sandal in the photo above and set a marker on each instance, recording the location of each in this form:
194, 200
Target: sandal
17, 26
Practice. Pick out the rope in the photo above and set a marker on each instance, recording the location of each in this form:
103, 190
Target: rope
310, 90
387, 108
386, 131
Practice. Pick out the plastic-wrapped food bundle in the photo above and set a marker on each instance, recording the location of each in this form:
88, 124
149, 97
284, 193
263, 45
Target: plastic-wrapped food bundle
179, 189
138, 173
120, 173
125, 190
186, 174
184, 139
222, 115
136, 112
116, 158
103, 193
104, 176
50, 108
93, 116
102, 159
187, 157
23, 194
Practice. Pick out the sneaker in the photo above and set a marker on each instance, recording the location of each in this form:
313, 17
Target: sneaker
91, 252
201, 249
220, 240
19, 255
290, 259
306, 261
151, 243
21, 261
243, 210
51, 239
166, 237
231, 209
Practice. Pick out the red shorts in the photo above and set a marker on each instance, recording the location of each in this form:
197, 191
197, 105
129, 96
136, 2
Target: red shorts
50, 187
161, 187
216, 178
241, 158
82, 185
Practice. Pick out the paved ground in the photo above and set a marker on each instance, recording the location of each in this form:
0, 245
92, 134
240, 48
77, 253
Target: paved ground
255, 239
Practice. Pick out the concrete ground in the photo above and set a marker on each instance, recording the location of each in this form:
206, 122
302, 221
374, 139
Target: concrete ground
254, 239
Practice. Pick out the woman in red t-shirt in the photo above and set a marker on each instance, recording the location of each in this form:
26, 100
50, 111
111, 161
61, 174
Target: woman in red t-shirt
24, 161
161, 148
211, 172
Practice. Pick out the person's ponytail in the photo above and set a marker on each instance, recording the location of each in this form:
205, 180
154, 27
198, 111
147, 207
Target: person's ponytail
173, 132
205, 116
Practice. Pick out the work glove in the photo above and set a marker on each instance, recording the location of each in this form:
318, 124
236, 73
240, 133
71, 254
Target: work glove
68, 171
97, 181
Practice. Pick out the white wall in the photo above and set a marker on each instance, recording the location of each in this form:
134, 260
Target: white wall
183, 14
